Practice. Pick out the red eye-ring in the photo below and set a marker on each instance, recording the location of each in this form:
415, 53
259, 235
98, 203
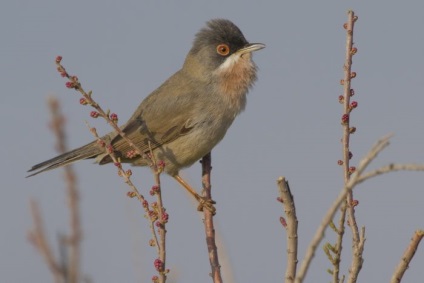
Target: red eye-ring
223, 49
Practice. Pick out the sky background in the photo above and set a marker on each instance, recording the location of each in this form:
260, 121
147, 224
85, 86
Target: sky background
122, 50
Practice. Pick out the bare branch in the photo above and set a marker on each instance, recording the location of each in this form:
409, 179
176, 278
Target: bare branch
208, 221
391, 168
38, 238
291, 222
75, 237
319, 234
155, 212
357, 259
407, 256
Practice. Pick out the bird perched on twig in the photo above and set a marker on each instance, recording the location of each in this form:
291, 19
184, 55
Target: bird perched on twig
189, 114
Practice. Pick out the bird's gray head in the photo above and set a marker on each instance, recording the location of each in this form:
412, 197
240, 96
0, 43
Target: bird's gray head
221, 41
221, 55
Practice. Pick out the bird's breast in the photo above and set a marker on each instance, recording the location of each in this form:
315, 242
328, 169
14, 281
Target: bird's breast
234, 78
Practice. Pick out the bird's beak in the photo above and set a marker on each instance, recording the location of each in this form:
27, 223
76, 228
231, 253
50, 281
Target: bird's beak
251, 47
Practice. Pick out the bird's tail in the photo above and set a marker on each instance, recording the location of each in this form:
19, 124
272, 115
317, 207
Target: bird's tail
87, 151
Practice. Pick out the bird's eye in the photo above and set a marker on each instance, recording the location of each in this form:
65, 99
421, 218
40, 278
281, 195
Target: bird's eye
223, 49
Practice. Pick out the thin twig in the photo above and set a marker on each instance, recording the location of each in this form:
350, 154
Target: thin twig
156, 214
407, 256
319, 234
75, 84
357, 259
208, 221
339, 243
291, 222
38, 238
75, 237
391, 168
157, 169
67, 268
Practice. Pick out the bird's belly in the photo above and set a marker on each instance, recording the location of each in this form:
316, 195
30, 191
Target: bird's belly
187, 149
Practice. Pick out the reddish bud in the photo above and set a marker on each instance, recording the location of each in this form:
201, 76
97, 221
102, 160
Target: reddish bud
145, 203
345, 118
131, 153
283, 222
352, 169
161, 164
83, 101
353, 75
64, 74
352, 92
341, 99
58, 59
280, 200
69, 84
354, 104
94, 114
165, 217
155, 279
158, 265
153, 215
354, 50
118, 164
154, 190
110, 148
340, 162
114, 117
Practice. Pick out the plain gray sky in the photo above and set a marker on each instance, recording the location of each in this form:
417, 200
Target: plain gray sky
122, 50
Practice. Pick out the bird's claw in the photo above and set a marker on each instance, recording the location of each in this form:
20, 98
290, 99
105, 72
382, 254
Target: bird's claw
206, 203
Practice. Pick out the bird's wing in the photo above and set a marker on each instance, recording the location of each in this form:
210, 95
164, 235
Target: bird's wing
162, 117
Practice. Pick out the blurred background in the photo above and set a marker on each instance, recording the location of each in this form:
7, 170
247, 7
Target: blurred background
122, 50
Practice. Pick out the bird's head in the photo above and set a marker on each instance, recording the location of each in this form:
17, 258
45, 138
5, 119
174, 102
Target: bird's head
222, 55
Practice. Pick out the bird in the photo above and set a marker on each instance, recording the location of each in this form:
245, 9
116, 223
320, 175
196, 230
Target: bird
189, 114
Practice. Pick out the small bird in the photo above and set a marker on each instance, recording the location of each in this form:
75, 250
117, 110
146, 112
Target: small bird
189, 114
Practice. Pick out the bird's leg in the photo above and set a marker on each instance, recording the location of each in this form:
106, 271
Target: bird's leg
203, 202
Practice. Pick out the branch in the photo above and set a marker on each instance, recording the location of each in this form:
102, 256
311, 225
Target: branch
75, 237
391, 168
155, 212
38, 238
68, 268
112, 119
407, 256
208, 221
357, 241
290, 223
319, 234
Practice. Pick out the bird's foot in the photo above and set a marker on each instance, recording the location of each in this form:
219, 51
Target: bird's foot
206, 203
